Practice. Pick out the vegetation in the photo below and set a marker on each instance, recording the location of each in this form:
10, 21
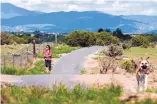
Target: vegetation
61, 95
126, 45
114, 50
83, 71
10, 39
60, 49
107, 63
151, 38
140, 40
152, 90
129, 66
119, 34
135, 52
37, 69
147, 101
84, 38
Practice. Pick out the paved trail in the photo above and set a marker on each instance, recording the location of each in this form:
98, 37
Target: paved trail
72, 63
63, 71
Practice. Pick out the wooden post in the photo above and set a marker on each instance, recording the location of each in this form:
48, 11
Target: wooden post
27, 53
13, 60
34, 51
21, 61
4, 61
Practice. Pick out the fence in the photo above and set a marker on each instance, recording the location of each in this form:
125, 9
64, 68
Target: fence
22, 57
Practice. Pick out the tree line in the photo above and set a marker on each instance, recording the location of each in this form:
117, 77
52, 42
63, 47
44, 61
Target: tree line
84, 38
106, 37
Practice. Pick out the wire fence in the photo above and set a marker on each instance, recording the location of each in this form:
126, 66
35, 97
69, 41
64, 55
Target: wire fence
22, 57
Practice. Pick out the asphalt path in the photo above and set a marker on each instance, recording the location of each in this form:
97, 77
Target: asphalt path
64, 71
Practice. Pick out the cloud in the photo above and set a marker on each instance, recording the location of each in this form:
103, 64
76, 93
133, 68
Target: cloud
116, 7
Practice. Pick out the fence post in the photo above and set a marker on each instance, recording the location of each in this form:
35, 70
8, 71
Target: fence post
39, 47
4, 61
21, 60
13, 59
27, 53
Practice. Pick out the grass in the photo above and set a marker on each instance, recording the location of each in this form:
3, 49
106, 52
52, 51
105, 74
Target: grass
147, 101
61, 49
152, 90
39, 68
83, 71
141, 52
10, 48
61, 95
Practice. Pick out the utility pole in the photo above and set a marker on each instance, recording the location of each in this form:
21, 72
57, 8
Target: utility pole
56, 38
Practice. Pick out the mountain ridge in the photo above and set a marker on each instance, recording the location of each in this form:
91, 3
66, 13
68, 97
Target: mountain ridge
68, 21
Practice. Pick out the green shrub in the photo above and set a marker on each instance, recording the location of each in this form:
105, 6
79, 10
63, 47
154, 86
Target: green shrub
128, 66
9, 70
152, 90
61, 95
114, 50
84, 38
140, 40
126, 45
83, 71
147, 101
153, 45
13, 71
144, 46
38, 69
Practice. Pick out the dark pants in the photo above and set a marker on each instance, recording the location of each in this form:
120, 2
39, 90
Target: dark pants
48, 64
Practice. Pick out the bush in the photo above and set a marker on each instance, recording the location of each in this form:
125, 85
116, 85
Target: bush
79, 38
10, 39
107, 63
84, 38
39, 68
83, 71
114, 50
140, 40
144, 46
153, 45
129, 66
126, 45
13, 71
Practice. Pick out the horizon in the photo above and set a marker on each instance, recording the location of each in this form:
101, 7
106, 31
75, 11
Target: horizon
114, 7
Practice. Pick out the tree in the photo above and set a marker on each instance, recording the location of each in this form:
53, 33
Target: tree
108, 30
4, 38
100, 30
140, 40
118, 33
84, 38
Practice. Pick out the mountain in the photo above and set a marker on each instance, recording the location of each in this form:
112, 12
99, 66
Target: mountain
68, 21
151, 21
152, 32
9, 10
17, 19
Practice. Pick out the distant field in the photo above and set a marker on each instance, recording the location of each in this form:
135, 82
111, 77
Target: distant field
137, 52
10, 48
19, 47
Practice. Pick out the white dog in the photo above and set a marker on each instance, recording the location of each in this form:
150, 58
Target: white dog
142, 72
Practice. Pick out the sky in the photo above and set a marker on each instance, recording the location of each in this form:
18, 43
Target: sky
116, 7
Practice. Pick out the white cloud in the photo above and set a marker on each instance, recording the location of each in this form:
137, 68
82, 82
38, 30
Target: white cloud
117, 7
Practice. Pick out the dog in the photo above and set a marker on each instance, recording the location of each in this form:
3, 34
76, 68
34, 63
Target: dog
142, 72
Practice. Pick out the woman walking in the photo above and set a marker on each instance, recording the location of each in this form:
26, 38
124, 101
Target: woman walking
48, 58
